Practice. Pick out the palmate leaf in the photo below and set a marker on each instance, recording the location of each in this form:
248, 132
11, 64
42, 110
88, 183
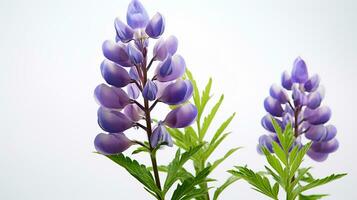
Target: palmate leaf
228, 182
189, 185
138, 171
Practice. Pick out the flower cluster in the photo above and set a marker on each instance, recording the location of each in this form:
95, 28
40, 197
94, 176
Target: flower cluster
303, 111
126, 66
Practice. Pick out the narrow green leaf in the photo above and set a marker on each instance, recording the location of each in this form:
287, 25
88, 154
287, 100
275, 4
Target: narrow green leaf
205, 98
208, 119
219, 161
318, 182
280, 153
312, 197
221, 188
222, 128
196, 93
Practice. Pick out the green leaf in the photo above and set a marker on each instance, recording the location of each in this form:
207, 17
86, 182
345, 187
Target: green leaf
279, 152
208, 119
228, 182
189, 185
213, 146
219, 161
298, 159
196, 93
139, 150
138, 171
274, 162
205, 98
312, 197
222, 128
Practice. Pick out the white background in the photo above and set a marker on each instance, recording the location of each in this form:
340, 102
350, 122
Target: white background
50, 55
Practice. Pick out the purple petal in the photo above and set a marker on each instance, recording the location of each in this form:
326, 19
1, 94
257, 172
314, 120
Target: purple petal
111, 97
288, 119
177, 92
166, 67
319, 157
113, 121
331, 133
150, 90
312, 84
286, 80
318, 116
160, 50
182, 116
114, 74
133, 73
133, 112
136, 16
135, 55
171, 44
265, 141
156, 26
133, 91
267, 123
298, 96
299, 73
160, 135
116, 52
178, 69
273, 107
314, 100
316, 133
124, 32
279, 94
112, 143
325, 147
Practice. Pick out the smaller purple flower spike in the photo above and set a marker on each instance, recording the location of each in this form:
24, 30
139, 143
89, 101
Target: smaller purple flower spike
178, 69
133, 91
273, 107
111, 97
286, 81
318, 116
156, 26
268, 124
299, 73
133, 112
124, 32
150, 90
113, 121
279, 94
112, 143
136, 16
135, 55
177, 92
312, 84
117, 53
114, 74
160, 136
182, 116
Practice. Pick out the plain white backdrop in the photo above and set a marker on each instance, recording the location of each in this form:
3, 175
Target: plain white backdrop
50, 55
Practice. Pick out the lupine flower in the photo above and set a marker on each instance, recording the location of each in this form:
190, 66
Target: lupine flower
303, 110
127, 65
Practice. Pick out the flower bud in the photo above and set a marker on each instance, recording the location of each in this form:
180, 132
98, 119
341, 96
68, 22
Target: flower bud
112, 143
279, 94
114, 74
160, 136
299, 97
318, 116
325, 147
133, 112
177, 92
331, 132
266, 141
116, 52
312, 84
171, 44
111, 97
133, 73
178, 66
166, 67
288, 119
299, 73
113, 121
273, 107
268, 124
316, 133
124, 32
156, 26
160, 50
133, 91
136, 16
150, 90
286, 80
319, 157
135, 55
314, 100
181, 116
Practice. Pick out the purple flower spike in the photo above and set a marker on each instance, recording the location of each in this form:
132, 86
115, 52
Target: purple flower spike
150, 90
160, 136
133, 91
286, 81
113, 121
268, 124
318, 116
111, 97
114, 74
135, 55
137, 17
299, 73
156, 26
178, 69
177, 93
160, 50
319, 157
182, 116
171, 44
312, 84
166, 67
133, 112
273, 107
124, 32
116, 52
325, 147
112, 143
279, 94
314, 100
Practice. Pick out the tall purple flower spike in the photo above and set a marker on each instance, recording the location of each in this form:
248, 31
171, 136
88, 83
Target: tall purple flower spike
303, 110
126, 71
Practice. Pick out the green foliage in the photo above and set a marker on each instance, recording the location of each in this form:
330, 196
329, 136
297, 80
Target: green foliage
284, 169
228, 182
